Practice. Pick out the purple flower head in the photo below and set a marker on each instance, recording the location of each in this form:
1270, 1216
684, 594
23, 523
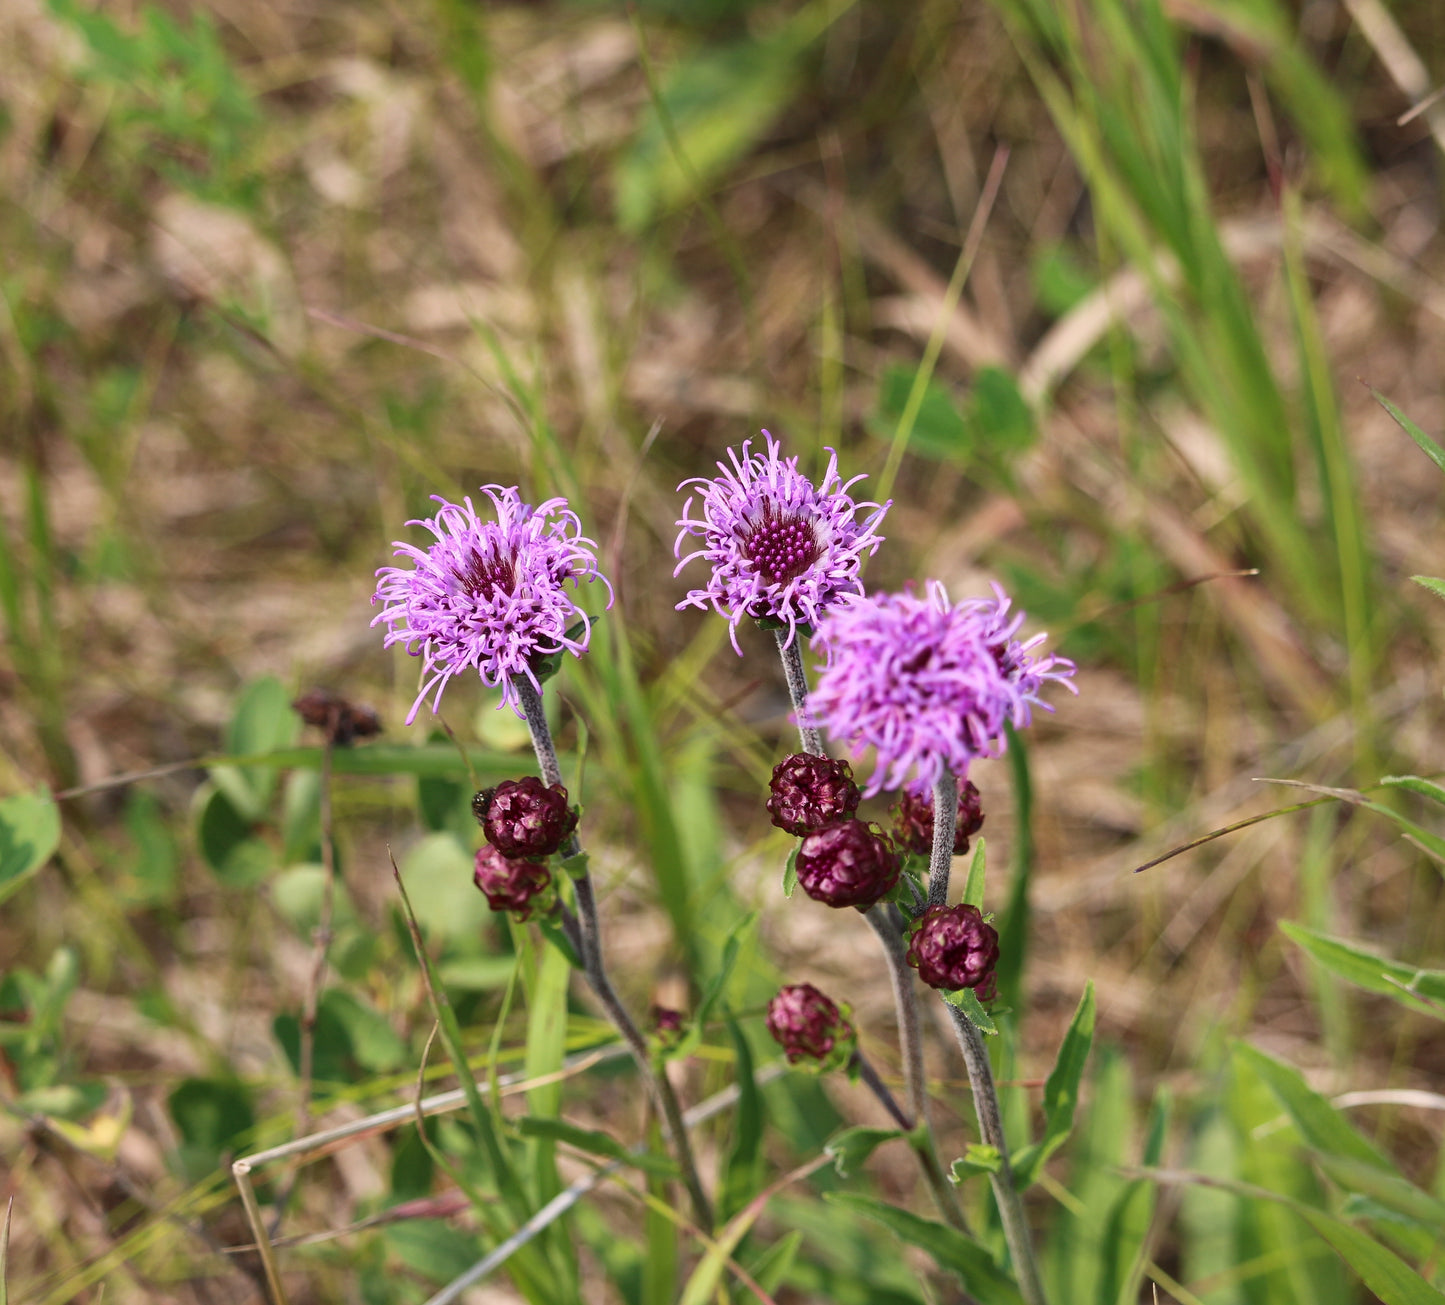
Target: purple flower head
954, 947
489, 596
782, 549
808, 1025
928, 684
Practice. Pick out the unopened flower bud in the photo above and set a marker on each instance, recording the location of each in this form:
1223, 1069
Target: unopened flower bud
913, 820
953, 947
848, 863
809, 1026
342, 721
668, 1026
524, 817
809, 792
513, 884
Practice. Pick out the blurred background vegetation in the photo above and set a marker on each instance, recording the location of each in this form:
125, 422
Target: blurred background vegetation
1087, 286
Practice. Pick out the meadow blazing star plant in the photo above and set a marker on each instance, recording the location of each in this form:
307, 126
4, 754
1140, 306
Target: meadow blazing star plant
494, 597
783, 550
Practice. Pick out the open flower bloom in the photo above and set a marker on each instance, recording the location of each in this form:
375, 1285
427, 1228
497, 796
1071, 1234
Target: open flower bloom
781, 548
926, 683
489, 596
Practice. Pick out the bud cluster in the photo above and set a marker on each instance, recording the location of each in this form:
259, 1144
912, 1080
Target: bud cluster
525, 822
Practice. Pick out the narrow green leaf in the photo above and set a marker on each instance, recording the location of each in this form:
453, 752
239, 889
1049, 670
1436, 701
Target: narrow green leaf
1391, 1190
790, 871
596, 1143
1061, 1092
771, 1268
1436, 587
451, 1036
1320, 1124
1428, 446
1417, 785
742, 1174
966, 1000
1013, 928
977, 1158
949, 1247
1421, 990
1381, 1270
719, 983
29, 837
973, 886
852, 1147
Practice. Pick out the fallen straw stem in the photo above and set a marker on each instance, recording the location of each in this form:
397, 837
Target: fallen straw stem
590, 939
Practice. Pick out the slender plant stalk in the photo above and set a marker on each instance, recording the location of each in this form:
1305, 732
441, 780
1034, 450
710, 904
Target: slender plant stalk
945, 821
905, 997
589, 942
915, 1082
791, 653
980, 1073
879, 1088
990, 1124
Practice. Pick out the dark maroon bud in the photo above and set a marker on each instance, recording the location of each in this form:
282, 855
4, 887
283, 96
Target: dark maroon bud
667, 1025
849, 863
811, 791
342, 721
809, 1026
512, 885
524, 817
953, 947
913, 821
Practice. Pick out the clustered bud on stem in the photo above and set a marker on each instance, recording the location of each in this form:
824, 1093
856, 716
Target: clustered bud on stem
913, 820
808, 1025
525, 817
513, 884
848, 863
954, 947
809, 792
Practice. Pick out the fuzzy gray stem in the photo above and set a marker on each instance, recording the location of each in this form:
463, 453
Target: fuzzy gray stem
915, 1082
589, 937
945, 821
792, 655
990, 1126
